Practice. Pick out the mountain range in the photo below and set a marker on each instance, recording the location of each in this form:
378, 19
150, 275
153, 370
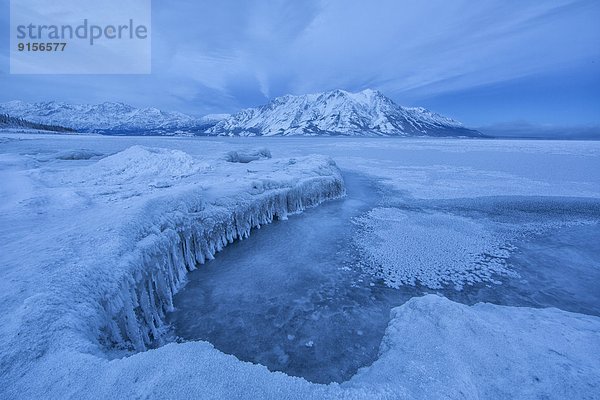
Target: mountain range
333, 113
107, 118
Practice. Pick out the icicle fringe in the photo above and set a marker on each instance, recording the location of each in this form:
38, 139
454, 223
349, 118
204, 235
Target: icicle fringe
135, 315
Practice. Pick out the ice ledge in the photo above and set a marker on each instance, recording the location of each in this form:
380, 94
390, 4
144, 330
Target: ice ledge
134, 314
120, 234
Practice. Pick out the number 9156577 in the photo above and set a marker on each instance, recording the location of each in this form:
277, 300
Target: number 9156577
34, 46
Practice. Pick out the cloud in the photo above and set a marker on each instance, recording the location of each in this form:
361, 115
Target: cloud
213, 56
411, 47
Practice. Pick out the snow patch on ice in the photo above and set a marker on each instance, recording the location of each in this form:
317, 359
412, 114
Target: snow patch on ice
246, 156
432, 249
436, 249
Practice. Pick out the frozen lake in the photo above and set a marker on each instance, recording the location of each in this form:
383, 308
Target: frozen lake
292, 296
317, 312
99, 233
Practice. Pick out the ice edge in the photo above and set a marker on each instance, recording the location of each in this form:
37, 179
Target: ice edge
135, 315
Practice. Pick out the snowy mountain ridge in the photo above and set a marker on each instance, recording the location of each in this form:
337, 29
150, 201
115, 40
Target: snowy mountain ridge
103, 118
338, 112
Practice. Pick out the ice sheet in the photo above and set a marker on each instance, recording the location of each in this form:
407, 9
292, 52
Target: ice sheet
466, 243
67, 253
291, 297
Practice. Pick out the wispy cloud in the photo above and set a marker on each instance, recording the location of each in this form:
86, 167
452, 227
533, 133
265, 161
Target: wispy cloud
221, 55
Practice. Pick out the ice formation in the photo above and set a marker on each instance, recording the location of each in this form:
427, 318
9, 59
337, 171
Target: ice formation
137, 313
438, 249
194, 234
406, 248
247, 155
92, 252
140, 255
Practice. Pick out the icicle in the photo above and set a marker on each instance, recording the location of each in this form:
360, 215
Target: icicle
136, 313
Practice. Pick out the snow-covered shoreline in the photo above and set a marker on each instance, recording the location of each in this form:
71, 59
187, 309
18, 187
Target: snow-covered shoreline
188, 238
94, 245
121, 269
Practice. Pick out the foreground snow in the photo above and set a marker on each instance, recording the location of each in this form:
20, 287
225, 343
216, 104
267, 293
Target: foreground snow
433, 348
97, 236
445, 350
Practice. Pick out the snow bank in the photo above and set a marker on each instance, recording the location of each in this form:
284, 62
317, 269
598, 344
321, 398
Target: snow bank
140, 163
442, 349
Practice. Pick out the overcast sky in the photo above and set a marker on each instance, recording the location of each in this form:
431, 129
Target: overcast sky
482, 62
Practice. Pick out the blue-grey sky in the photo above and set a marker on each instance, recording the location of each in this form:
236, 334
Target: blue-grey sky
480, 61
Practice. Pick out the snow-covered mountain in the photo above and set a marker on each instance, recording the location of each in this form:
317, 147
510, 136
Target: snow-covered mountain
104, 118
214, 118
338, 112
366, 113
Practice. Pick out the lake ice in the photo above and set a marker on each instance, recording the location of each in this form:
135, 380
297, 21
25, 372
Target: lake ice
319, 312
99, 234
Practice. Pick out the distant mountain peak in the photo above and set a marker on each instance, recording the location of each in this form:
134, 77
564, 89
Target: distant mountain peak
338, 112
